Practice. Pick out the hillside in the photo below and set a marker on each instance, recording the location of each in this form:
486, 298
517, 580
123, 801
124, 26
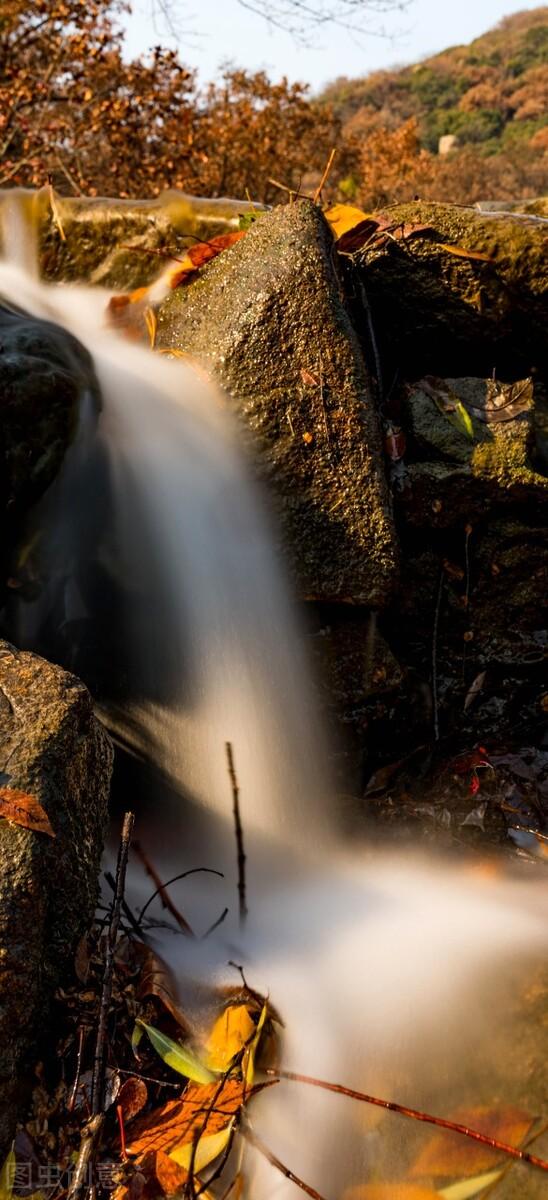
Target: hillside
492, 95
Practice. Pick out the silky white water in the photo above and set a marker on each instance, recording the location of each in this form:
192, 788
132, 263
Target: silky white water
385, 969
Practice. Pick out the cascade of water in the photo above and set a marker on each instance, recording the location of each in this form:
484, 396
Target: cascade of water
159, 568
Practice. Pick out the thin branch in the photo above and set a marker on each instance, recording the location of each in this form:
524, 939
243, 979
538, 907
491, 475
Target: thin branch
251, 1137
415, 1114
238, 831
161, 890
106, 992
325, 175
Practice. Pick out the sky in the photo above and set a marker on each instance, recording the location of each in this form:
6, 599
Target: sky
217, 31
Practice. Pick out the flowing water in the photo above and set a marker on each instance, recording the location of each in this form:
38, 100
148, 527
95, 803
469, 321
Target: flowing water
159, 584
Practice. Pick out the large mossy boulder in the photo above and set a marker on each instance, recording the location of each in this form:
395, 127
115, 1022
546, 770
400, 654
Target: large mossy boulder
268, 320
465, 297
113, 243
53, 749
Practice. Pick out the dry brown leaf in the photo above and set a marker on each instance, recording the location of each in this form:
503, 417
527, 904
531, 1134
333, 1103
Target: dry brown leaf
132, 1097
25, 810
156, 980
450, 1154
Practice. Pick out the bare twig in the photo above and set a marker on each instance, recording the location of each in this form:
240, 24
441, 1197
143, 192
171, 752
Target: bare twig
238, 831
125, 907
161, 890
435, 630
88, 1143
216, 923
106, 992
255, 1141
325, 175
415, 1114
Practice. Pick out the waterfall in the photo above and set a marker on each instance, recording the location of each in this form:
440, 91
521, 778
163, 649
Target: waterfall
159, 584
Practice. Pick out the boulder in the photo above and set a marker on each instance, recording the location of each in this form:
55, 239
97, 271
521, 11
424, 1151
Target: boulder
43, 373
120, 244
53, 749
474, 440
465, 296
268, 319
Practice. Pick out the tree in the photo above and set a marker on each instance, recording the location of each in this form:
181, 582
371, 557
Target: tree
72, 108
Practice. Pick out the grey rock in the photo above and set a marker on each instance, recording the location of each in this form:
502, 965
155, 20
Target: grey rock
53, 748
268, 319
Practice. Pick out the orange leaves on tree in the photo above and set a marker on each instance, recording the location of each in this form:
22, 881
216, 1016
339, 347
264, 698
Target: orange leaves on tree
23, 809
449, 1154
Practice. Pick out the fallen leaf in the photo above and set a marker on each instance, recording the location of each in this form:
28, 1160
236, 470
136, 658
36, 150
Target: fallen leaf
467, 1188
207, 1150
474, 689
448, 403
308, 378
390, 1191
461, 252
448, 1153
7, 1176
203, 1109
180, 1058
132, 1097
308, 438
23, 809
157, 980
343, 217
233, 1030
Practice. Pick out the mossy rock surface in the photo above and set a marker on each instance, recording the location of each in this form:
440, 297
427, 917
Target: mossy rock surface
121, 244
437, 310
269, 321
52, 748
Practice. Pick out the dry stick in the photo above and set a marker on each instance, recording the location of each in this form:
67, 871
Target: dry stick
415, 1114
89, 1139
323, 179
106, 992
435, 629
175, 879
160, 891
125, 907
238, 830
255, 1141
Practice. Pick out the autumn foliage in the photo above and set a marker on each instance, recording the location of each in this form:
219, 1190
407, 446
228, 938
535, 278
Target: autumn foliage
73, 108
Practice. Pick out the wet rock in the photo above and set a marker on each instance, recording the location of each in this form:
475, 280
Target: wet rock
453, 313
120, 244
43, 373
53, 748
477, 437
268, 319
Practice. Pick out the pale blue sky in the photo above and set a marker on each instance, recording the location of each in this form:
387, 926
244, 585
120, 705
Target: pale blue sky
214, 31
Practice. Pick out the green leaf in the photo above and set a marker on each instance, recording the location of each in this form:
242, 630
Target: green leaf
208, 1149
178, 1057
467, 1188
7, 1176
136, 1038
463, 420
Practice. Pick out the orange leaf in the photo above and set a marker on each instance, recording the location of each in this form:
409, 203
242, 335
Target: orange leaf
460, 252
132, 1097
24, 810
177, 1122
448, 1153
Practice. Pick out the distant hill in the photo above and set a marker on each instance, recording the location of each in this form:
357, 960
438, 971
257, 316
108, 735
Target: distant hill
491, 94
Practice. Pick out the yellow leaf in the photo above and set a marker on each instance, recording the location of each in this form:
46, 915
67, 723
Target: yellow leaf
232, 1031
249, 1071
390, 1191
461, 252
208, 1149
7, 1176
342, 217
466, 1189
